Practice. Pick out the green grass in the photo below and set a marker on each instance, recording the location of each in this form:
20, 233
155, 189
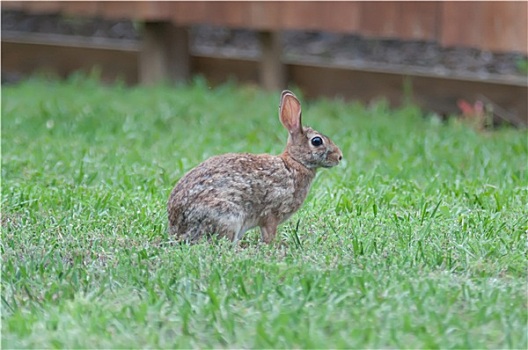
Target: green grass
418, 240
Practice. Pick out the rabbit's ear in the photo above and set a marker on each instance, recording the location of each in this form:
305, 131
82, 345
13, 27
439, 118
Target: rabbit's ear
290, 112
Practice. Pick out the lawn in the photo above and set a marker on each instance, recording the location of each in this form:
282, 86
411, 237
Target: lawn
417, 240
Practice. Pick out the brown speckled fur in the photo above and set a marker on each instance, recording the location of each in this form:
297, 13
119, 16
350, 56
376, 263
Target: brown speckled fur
232, 193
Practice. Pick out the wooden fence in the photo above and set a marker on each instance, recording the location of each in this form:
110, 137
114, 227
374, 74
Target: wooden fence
494, 25
498, 26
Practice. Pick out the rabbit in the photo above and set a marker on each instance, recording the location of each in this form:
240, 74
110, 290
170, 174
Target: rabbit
228, 194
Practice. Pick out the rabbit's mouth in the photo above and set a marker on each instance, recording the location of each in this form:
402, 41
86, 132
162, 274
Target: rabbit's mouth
331, 164
332, 160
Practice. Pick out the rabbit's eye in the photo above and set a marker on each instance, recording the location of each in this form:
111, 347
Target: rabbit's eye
317, 141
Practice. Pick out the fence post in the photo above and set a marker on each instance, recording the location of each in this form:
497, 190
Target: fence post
164, 53
272, 71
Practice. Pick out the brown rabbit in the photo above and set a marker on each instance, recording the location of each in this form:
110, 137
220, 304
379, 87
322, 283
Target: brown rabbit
232, 193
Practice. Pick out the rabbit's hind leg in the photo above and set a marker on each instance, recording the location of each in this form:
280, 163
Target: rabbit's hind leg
230, 226
268, 229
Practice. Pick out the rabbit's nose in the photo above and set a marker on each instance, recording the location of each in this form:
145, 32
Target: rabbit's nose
340, 155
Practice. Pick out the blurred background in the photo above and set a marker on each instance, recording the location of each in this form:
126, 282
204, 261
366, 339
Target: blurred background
465, 58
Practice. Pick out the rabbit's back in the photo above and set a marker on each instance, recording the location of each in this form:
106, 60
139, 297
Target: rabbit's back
232, 193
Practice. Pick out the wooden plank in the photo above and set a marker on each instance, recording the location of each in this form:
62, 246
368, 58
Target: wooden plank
418, 20
248, 14
82, 42
264, 15
441, 95
42, 7
164, 53
403, 20
379, 18
117, 10
80, 8
178, 53
272, 71
432, 93
455, 16
260, 15
138, 10
495, 26
154, 10
230, 14
12, 5
153, 58
27, 58
333, 16
188, 12
219, 70
342, 17
305, 15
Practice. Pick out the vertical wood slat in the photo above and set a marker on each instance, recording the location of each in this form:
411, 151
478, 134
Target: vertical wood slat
228, 14
80, 8
13, 5
299, 15
152, 11
343, 17
379, 18
40, 6
418, 20
264, 15
403, 20
188, 12
496, 26
334, 16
